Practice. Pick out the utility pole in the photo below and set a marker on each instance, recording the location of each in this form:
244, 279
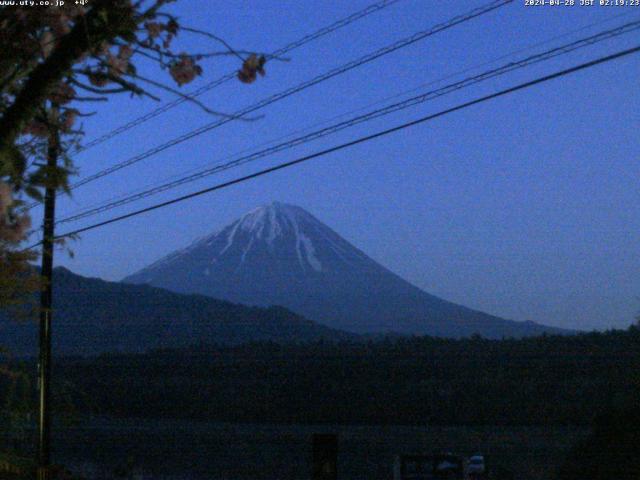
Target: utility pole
44, 371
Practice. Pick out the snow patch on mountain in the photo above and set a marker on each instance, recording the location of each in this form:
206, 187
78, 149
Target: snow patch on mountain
246, 250
268, 223
275, 229
230, 236
311, 253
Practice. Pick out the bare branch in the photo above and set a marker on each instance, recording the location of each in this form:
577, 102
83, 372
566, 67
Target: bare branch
126, 86
155, 59
193, 100
161, 53
104, 91
90, 99
214, 37
85, 114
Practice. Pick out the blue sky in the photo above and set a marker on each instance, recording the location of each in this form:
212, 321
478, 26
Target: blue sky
526, 207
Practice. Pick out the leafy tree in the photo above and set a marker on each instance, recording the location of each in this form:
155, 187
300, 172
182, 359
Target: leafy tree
55, 61
15, 275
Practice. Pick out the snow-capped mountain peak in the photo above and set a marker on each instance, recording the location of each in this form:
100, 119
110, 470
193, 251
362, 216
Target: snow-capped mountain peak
270, 219
278, 233
276, 222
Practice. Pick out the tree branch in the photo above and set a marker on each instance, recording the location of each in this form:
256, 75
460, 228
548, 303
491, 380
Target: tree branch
101, 91
193, 100
214, 37
103, 22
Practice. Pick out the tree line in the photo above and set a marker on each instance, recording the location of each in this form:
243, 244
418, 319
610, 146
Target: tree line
548, 380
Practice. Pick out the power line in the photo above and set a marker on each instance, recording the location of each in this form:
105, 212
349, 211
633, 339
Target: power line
357, 141
419, 99
353, 111
375, 7
232, 75
476, 12
354, 121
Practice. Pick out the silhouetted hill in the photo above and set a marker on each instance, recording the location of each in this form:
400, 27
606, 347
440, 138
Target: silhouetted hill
92, 316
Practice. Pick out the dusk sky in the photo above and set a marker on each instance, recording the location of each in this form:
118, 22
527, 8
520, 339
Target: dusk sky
526, 207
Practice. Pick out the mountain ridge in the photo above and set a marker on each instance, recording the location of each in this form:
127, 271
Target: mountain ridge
93, 316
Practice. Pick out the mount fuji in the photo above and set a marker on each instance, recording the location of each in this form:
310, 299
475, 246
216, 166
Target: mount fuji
282, 255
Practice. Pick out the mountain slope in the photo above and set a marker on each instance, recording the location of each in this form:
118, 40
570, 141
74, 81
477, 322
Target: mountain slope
282, 255
92, 316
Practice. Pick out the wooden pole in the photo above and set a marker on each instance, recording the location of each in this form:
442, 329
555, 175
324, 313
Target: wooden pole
44, 373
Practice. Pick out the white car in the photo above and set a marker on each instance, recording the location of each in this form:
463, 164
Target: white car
476, 465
